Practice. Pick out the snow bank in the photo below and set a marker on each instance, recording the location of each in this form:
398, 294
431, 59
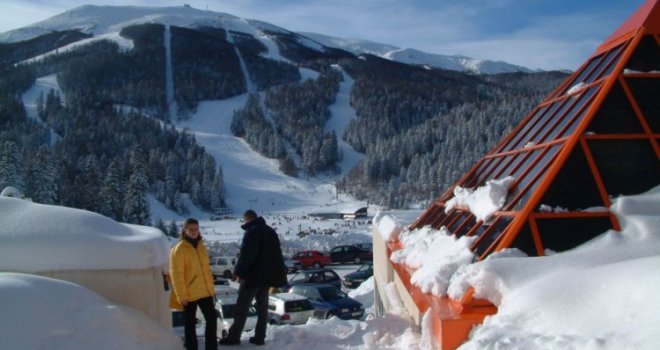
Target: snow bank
44, 313
600, 295
436, 255
37, 238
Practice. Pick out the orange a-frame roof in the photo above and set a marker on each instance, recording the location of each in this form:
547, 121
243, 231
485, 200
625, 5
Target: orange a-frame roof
594, 137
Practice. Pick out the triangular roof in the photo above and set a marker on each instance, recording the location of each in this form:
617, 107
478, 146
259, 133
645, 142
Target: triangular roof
595, 137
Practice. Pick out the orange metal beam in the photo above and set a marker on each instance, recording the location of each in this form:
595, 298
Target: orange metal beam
595, 172
518, 222
638, 113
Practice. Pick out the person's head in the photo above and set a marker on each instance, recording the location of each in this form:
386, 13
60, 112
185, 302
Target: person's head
190, 229
249, 215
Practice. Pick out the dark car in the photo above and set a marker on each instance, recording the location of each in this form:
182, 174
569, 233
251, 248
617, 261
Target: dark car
326, 276
350, 254
329, 301
365, 246
354, 279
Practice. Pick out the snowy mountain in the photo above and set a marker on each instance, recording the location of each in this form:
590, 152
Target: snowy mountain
103, 20
209, 97
416, 57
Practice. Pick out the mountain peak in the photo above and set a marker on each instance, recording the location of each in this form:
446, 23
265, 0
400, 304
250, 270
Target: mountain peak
99, 20
417, 57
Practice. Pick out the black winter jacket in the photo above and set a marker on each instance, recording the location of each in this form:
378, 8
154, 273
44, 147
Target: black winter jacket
260, 261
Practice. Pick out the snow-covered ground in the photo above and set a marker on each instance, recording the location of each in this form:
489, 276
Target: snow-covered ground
601, 295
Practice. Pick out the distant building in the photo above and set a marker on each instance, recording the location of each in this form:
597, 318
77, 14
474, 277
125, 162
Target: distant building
346, 214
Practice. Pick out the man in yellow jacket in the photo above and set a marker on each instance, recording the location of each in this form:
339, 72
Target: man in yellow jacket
192, 284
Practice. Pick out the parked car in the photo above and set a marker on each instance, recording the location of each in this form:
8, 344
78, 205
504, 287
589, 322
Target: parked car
179, 320
292, 266
226, 308
287, 308
349, 253
326, 276
222, 266
365, 246
312, 258
330, 301
354, 279
225, 291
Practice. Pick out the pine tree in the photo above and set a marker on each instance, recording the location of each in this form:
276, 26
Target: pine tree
172, 229
136, 206
42, 177
111, 192
90, 186
10, 166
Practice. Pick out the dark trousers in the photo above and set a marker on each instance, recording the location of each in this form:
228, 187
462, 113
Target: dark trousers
211, 319
243, 303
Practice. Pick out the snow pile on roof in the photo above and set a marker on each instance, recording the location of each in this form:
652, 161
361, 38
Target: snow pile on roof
435, 254
388, 227
484, 201
601, 295
45, 313
36, 237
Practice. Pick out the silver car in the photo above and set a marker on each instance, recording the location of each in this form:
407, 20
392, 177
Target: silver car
286, 308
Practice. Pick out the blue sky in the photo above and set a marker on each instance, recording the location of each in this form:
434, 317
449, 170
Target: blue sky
548, 34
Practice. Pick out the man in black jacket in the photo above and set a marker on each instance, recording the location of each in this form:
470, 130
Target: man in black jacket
260, 265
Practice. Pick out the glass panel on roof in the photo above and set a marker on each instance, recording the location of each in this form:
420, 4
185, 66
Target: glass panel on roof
556, 118
434, 213
646, 92
574, 187
473, 179
584, 72
568, 125
464, 215
437, 224
497, 164
607, 64
618, 51
529, 158
560, 234
626, 166
505, 166
491, 235
646, 57
522, 133
532, 137
524, 187
437, 218
469, 224
615, 115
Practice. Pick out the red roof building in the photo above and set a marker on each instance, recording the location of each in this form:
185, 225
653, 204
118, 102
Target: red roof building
595, 137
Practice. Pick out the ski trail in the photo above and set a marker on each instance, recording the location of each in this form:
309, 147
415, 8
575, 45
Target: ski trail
169, 79
342, 113
248, 81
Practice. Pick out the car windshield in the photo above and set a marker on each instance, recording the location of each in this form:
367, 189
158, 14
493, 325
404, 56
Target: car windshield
331, 293
365, 267
307, 277
228, 310
298, 305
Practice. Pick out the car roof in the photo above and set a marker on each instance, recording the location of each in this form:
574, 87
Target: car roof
313, 285
287, 296
315, 270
